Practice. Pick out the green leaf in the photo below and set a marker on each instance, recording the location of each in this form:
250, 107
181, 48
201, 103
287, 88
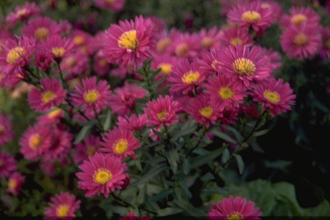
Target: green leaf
225, 155
238, 135
168, 211
201, 160
159, 134
83, 132
208, 176
151, 174
142, 194
186, 166
172, 158
189, 208
107, 122
216, 190
240, 163
223, 136
184, 131
161, 195
259, 133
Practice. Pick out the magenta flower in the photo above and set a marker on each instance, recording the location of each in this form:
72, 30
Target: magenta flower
52, 117
74, 64
35, 140
57, 47
130, 42
210, 64
273, 95
89, 146
236, 35
210, 39
325, 49
101, 174
132, 123
62, 206
120, 143
60, 144
132, 216
22, 13
301, 42
52, 95
92, 95
300, 16
6, 132
8, 164
186, 76
40, 28
184, 45
15, 183
244, 65
234, 208
162, 111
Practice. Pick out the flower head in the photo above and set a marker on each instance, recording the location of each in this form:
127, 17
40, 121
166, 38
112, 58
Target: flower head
52, 117
129, 42
120, 143
52, 95
298, 17
22, 13
210, 40
132, 123
6, 132
88, 147
113, 5
8, 164
234, 208
14, 183
236, 35
275, 95
92, 95
101, 174
57, 47
40, 28
62, 205
162, 111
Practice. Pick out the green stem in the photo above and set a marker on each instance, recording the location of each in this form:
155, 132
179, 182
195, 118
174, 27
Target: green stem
61, 75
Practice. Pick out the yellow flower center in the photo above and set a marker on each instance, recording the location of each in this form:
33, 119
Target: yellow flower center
251, 16
62, 211
166, 68
15, 53
265, 5
90, 150
226, 93
54, 113
120, 146
102, 176
298, 19
273, 97
21, 13
235, 41
91, 96
181, 49
128, 40
326, 43
47, 96
58, 51
244, 67
207, 42
103, 62
110, 1
190, 77
35, 141
12, 183
206, 112
1, 163
78, 40
2, 129
162, 115
215, 64
41, 33
162, 44
235, 216
300, 39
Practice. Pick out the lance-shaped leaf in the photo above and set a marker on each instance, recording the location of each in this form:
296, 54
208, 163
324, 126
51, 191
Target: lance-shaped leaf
223, 136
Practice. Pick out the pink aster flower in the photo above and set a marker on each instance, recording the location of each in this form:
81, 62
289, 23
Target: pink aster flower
15, 183
6, 132
92, 95
301, 42
234, 208
244, 65
74, 64
52, 95
226, 6
113, 5
120, 143
57, 47
60, 144
62, 206
236, 35
35, 140
201, 110
22, 13
298, 17
132, 216
273, 95
165, 63
88, 147
274, 7
210, 40
210, 62
274, 59
101, 65
184, 45
122, 102
224, 93
251, 15
129, 42
40, 28
8, 164
101, 174
81, 40
43, 59
228, 116
16, 54
186, 76
325, 49
52, 117
162, 111
132, 123
4, 36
